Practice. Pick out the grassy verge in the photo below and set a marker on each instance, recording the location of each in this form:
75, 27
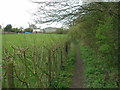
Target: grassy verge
64, 78
97, 72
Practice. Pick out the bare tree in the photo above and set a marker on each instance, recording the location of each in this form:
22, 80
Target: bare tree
65, 11
57, 11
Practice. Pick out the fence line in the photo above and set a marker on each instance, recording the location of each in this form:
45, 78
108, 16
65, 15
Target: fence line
37, 66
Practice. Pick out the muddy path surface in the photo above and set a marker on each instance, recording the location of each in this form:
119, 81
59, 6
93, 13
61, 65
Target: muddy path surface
77, 79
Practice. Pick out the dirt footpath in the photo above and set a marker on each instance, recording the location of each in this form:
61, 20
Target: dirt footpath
77, 79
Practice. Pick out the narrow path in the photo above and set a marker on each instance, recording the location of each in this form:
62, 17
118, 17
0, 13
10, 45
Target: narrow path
77, 79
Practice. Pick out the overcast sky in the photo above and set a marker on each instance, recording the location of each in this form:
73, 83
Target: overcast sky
17, 13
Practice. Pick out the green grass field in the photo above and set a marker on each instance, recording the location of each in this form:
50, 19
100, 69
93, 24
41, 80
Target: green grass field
29, 40
34, 60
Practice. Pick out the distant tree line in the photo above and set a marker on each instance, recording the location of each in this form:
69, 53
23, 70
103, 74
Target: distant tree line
9, 28
61, 31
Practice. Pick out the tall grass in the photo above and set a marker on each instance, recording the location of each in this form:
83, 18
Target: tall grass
97, 73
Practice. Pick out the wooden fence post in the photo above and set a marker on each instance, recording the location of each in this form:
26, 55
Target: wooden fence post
10, 78
67, 47
61, 66
49, 68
